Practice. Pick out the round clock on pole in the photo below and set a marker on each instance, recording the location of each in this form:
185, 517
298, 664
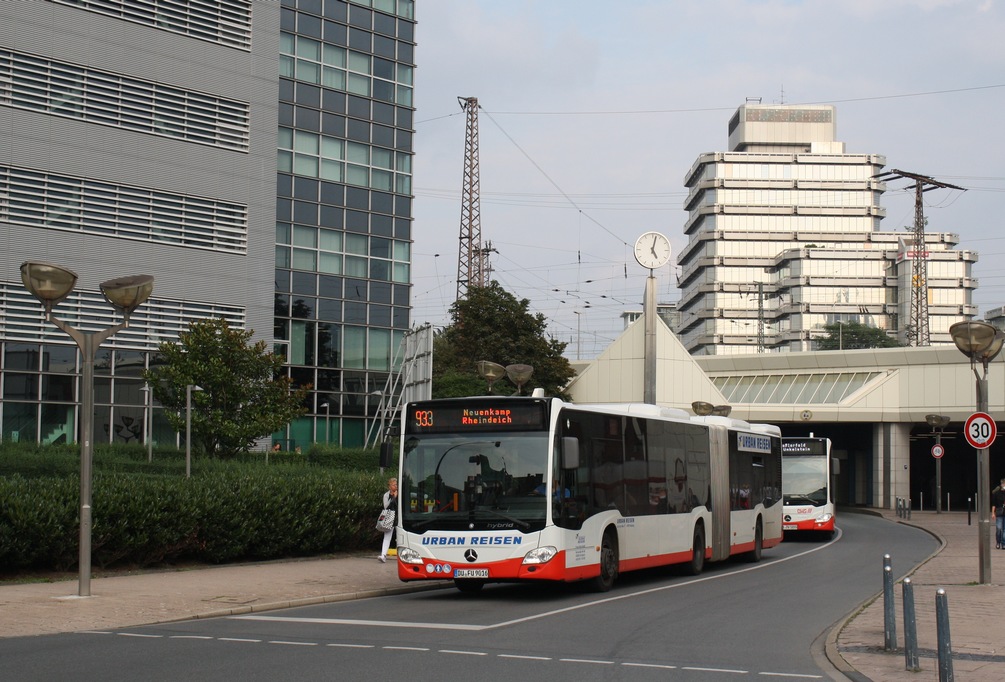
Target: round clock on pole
652, 250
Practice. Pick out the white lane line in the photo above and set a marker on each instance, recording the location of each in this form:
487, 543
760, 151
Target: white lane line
190, 637
538, 616
526, 658
462, 653
804, 677
405, 648
279, 641
238, 639
378, 623
585, 660
717, 670
136, 634
353, 646
649, 665
94, 632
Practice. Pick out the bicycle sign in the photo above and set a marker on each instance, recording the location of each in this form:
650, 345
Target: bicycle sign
980, 430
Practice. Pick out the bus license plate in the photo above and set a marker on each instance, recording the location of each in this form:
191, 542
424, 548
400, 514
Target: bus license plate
789, 526
471, 573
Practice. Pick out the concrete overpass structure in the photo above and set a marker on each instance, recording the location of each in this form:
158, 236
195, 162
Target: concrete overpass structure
871, 403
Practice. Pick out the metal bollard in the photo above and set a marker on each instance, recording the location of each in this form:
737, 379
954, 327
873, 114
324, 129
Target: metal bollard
921, 503
945, 647
910, 629
889, 616
908, 507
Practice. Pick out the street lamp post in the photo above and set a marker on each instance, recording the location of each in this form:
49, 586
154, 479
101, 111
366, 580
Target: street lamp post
981, 341
148, 420
188, 428
938, 422
51, 284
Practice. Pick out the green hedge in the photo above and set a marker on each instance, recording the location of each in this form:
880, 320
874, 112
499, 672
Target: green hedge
148, 514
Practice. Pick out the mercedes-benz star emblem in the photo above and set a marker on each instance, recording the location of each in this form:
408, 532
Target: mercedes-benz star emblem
471, 555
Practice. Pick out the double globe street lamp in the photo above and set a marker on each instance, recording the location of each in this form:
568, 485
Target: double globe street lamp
981, 342
51, 284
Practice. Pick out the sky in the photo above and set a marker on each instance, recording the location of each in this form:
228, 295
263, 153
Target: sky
593, 112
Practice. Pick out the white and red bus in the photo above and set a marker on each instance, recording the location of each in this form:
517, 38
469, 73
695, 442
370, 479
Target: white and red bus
807, 485
506, 489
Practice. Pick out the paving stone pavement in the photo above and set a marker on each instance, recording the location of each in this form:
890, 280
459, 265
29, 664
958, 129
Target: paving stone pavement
977, 640
854, 646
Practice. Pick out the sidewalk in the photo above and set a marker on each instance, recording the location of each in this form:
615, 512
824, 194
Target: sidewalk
855, 647
978, 644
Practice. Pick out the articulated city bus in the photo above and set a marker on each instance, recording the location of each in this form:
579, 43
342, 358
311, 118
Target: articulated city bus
807, 488
506, 489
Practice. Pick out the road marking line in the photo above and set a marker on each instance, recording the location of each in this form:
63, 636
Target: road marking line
406, 648
136, 634
526, 619
807, 677
279, 641
584, 660
237, 639
378, 623
717, 670
462, 653
649, 665
189, 637
353, 646
527, 658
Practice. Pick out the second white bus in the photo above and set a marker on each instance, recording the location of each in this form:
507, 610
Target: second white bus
807, 485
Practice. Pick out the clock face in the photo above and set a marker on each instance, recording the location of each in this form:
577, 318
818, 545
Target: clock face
652, 250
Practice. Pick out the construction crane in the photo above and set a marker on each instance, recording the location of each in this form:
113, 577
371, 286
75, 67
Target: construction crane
470, 254
918, 329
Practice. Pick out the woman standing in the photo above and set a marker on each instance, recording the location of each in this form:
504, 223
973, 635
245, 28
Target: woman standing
390, 502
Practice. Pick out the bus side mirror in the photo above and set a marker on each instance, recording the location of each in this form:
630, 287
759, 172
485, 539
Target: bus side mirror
386, 454
570, 452
835, 466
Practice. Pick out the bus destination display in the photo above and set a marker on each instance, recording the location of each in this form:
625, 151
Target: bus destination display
433, 418
803, 446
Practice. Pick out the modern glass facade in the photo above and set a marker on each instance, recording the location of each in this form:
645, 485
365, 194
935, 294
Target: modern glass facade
133, 138
344, 206
784, 238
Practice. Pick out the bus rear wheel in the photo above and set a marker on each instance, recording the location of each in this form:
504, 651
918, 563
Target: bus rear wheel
608, 563
697, 562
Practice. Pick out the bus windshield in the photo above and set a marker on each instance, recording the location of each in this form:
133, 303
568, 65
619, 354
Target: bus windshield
489, 481
804, 480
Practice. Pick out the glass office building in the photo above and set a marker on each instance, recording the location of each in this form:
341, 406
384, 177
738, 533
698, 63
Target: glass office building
253, 156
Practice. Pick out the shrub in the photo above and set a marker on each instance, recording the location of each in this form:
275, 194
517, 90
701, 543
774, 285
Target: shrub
148, 514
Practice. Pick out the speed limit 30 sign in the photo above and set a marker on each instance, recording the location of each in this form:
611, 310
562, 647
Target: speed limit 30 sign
980, 430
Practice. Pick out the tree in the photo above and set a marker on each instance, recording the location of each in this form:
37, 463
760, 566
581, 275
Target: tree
244, 394
850, 335
491, 324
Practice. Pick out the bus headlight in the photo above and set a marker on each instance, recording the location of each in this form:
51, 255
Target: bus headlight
407, 555
825, 518
541, 555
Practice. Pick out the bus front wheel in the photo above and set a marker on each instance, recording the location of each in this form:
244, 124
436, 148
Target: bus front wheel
697, 562
608, 563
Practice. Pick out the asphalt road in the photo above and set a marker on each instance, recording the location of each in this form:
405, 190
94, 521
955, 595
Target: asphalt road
735, 621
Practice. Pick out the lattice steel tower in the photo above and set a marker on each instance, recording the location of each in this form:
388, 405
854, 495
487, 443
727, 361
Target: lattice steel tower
470, 255
918, 328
